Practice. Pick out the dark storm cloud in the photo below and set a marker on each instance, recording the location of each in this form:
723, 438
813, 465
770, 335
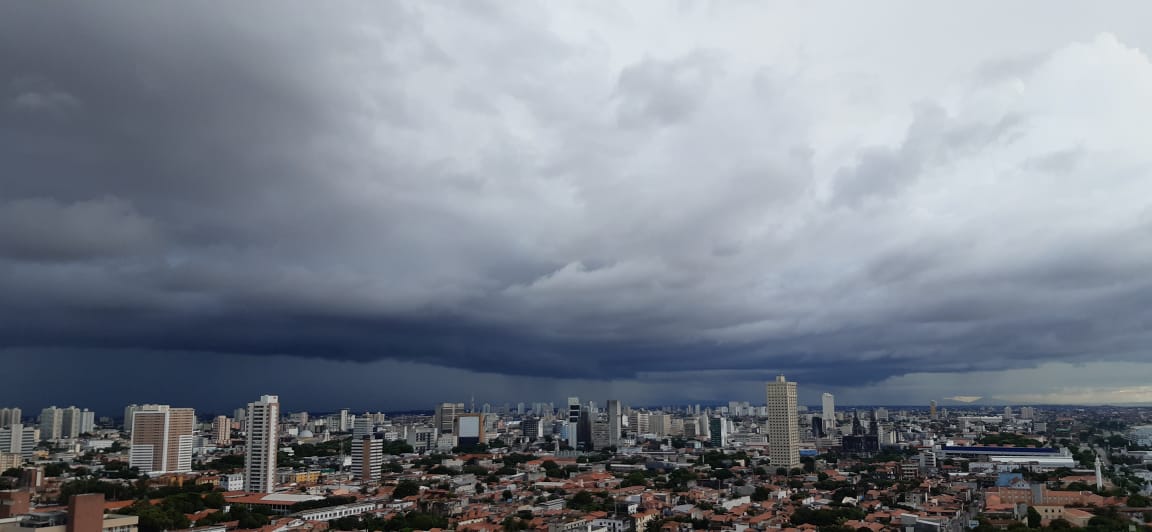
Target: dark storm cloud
501, 191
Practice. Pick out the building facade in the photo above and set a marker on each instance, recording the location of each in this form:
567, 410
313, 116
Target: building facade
262, 427
162, 439
783, 429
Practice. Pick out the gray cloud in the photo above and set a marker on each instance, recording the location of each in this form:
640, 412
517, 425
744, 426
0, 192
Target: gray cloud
539, 192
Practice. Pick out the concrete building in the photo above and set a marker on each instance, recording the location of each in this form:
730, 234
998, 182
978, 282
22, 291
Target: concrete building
932, 410
470, 429
162, 439
18, 439
51, 423
262, 428
85, 513
445, 418
573, 416
828, 413
11, 416
615, 422
222, 431
783, 425
718, 431
367, 457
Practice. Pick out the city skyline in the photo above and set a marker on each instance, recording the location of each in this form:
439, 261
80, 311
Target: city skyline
400, 204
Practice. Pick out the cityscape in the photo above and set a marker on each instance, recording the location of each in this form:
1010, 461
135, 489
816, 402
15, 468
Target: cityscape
575, 266
578, 465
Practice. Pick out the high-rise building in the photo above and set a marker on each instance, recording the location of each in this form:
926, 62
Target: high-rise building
51, 423
932, 410
71, 422
345, 420
11, 416
446, 414
1008, 412
263, 431
162, 439
573, 416
18, 439
129, 412
470, 429
828, 413
660, 424
615, 424
783, 429
1027, 412
363, 426
718, 431
222, 431
880, 414
87, 421
367, 457
640, 422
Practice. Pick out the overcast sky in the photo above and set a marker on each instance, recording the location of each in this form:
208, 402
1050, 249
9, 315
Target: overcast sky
385, 204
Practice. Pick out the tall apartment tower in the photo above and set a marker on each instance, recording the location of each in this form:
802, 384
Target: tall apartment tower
828, 413
71, 422
51, 423
367, 457
162, 439
615, 423
932, 410
573, 416
262, 425
10, 416
18, 439
222, 431
446, 414
783, 429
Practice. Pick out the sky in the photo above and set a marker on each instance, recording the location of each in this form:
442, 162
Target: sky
381, 205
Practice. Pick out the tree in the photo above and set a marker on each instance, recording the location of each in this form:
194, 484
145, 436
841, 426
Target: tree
1033, 518
1060, 524
1139, 501
405, 489
582, 500
507, 495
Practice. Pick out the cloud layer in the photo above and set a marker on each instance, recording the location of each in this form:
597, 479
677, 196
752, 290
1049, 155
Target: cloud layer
596, 192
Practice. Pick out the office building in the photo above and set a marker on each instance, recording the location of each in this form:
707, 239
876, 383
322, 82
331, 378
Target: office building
222, 431
615, 422
783, 425
262, 426
361, 427
18, 439
718, 431
470, 429
574, 410
367, 456
11, 416
162, 439
828, 413
445, 418
640, 422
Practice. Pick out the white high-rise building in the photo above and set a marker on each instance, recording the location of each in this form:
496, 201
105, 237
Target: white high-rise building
783, 429
87, 421
828, 413
1027, 412
71, 422
18, 439
262, 427
10, 416
52, 423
